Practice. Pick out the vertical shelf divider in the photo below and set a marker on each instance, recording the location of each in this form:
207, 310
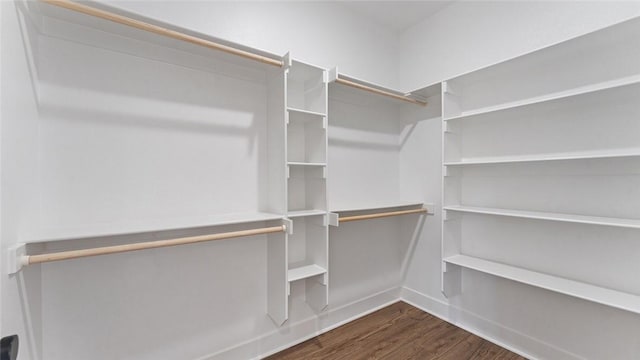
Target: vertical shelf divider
276, 199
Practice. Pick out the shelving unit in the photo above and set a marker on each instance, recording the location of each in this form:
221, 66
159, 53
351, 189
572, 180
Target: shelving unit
523, 150
306, 144
136, 124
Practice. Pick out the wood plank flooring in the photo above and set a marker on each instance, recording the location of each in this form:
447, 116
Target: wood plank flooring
399, 332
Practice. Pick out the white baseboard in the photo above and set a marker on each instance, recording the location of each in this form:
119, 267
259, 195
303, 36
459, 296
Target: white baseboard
507, 338
303, 330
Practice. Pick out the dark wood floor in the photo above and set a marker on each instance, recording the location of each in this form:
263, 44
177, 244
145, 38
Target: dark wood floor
398, 332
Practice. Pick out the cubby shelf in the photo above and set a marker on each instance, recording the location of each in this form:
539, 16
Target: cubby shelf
130, 228
547, 157
302, 213
297, 163
349, 84
597, 294
304, 272
305, 115
583, 90
537, 215
381, 206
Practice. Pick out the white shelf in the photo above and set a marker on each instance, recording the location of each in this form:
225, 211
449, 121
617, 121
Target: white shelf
304, 272
378, 206
129, 228
302, 213
540, 158
366, 92
580, 219
82, 28
631, 80
305, 115
597, 294
297, 163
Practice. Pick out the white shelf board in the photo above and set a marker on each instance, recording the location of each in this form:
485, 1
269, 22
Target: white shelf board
301, 213
305, 114
130, 228
547, 157
297, 163
365, 207
304, 272
606, 85
580, 219
342, 91
91, 24
597, 294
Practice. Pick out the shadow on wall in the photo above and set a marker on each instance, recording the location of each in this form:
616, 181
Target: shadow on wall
86, 75
370, 256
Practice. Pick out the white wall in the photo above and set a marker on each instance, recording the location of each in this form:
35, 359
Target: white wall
463, 37
469, 35
326, 34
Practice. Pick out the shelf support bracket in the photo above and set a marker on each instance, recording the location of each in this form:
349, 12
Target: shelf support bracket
332, 75
325, 279
287, 60
16, 258
430, 207
288, 223
333, 219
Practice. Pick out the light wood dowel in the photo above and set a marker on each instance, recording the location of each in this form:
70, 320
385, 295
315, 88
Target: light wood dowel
381, 215
74, 254
379, 92
120, 19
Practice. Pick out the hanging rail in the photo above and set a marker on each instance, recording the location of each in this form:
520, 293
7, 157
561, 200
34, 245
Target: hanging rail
374, 90
74, 254
381, 215
141, 25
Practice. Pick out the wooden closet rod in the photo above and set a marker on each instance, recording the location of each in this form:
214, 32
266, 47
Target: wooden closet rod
381, 215
74, 254
120, 19
379, 91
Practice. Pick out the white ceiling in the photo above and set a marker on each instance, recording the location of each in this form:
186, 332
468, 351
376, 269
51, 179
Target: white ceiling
398, 15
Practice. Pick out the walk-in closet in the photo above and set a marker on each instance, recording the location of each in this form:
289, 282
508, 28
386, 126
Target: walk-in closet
319, 180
